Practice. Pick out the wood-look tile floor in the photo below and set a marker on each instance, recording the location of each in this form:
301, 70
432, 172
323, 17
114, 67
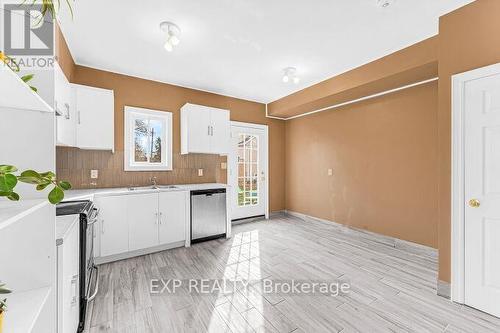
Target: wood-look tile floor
393, 288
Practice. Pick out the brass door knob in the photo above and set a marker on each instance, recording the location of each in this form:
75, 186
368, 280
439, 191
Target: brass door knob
474, 203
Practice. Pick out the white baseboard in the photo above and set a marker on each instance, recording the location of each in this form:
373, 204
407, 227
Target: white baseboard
277, 213
444, 289
387, 240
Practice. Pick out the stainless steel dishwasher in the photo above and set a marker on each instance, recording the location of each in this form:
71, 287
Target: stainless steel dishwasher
208, 214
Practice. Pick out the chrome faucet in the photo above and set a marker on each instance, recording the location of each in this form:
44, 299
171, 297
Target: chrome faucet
153, 181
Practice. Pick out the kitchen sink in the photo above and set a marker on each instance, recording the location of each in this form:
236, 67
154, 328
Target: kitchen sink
163, 187
152, 187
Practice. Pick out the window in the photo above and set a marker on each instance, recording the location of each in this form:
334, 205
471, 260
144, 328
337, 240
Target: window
148, 139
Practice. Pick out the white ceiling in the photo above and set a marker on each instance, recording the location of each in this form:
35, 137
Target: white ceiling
239, 47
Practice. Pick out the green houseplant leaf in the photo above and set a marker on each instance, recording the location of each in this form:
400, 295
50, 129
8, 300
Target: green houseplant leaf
41, 187
31, 177
27, 78
65, 185
3, 290
56, 195
8, 181
13, 196
7, 168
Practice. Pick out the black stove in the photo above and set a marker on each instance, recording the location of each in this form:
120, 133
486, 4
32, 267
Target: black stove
88, 271
74, 207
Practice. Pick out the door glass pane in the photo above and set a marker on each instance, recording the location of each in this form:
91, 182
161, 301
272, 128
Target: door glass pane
248, 170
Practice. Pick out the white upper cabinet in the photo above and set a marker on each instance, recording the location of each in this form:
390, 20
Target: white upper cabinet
204, 130
65, 117
94, 110
220, 132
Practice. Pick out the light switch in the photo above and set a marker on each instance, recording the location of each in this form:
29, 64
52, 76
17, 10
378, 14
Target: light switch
94, 174
223, 165
330, 172
200, 172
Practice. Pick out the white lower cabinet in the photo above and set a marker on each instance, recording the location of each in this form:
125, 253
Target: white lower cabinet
172, 208
142, 217
133, 222
68, 281
113, 225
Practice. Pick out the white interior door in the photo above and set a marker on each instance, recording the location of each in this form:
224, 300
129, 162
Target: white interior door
248, 161
482, 193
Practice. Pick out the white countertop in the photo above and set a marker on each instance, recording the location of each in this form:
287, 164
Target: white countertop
64, 224
88, 194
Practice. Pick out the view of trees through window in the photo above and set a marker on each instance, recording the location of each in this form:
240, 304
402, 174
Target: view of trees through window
147, 140
248, 170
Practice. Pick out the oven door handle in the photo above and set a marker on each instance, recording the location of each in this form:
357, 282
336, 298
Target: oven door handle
92, 221
96, 285
94, 216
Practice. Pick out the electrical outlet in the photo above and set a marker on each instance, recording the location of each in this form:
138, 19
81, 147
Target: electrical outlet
94, 174
330, 172
223, 165
200, 172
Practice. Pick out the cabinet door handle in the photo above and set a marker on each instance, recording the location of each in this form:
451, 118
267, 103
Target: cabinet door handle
67, 115
74, 281
156, 219
212, 130
102, 226
79, 122
208, 131
161, 215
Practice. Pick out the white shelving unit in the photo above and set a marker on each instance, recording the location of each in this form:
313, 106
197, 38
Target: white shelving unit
11, 212
27, 227
25, 309
17, 95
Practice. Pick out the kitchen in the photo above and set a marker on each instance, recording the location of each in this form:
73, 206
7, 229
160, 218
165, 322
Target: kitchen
178, 148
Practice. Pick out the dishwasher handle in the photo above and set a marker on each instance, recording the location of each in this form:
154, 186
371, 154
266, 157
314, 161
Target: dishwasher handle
208, 193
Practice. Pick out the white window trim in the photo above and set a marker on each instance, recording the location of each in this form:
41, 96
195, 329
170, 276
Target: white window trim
130, 112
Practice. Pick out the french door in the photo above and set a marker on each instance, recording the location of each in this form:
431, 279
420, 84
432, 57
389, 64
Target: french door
248, 163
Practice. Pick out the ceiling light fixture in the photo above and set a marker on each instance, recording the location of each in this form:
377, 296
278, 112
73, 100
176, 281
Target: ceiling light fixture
173, 35
290, 75
384, 3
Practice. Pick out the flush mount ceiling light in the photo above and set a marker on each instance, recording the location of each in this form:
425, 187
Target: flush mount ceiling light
384, 3
290, 75
173, 33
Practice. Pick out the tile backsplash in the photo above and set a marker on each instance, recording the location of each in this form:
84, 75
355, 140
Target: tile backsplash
74, 165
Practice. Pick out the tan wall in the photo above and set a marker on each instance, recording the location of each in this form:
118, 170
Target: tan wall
469, 38
63, 55
75, 164
384, 159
